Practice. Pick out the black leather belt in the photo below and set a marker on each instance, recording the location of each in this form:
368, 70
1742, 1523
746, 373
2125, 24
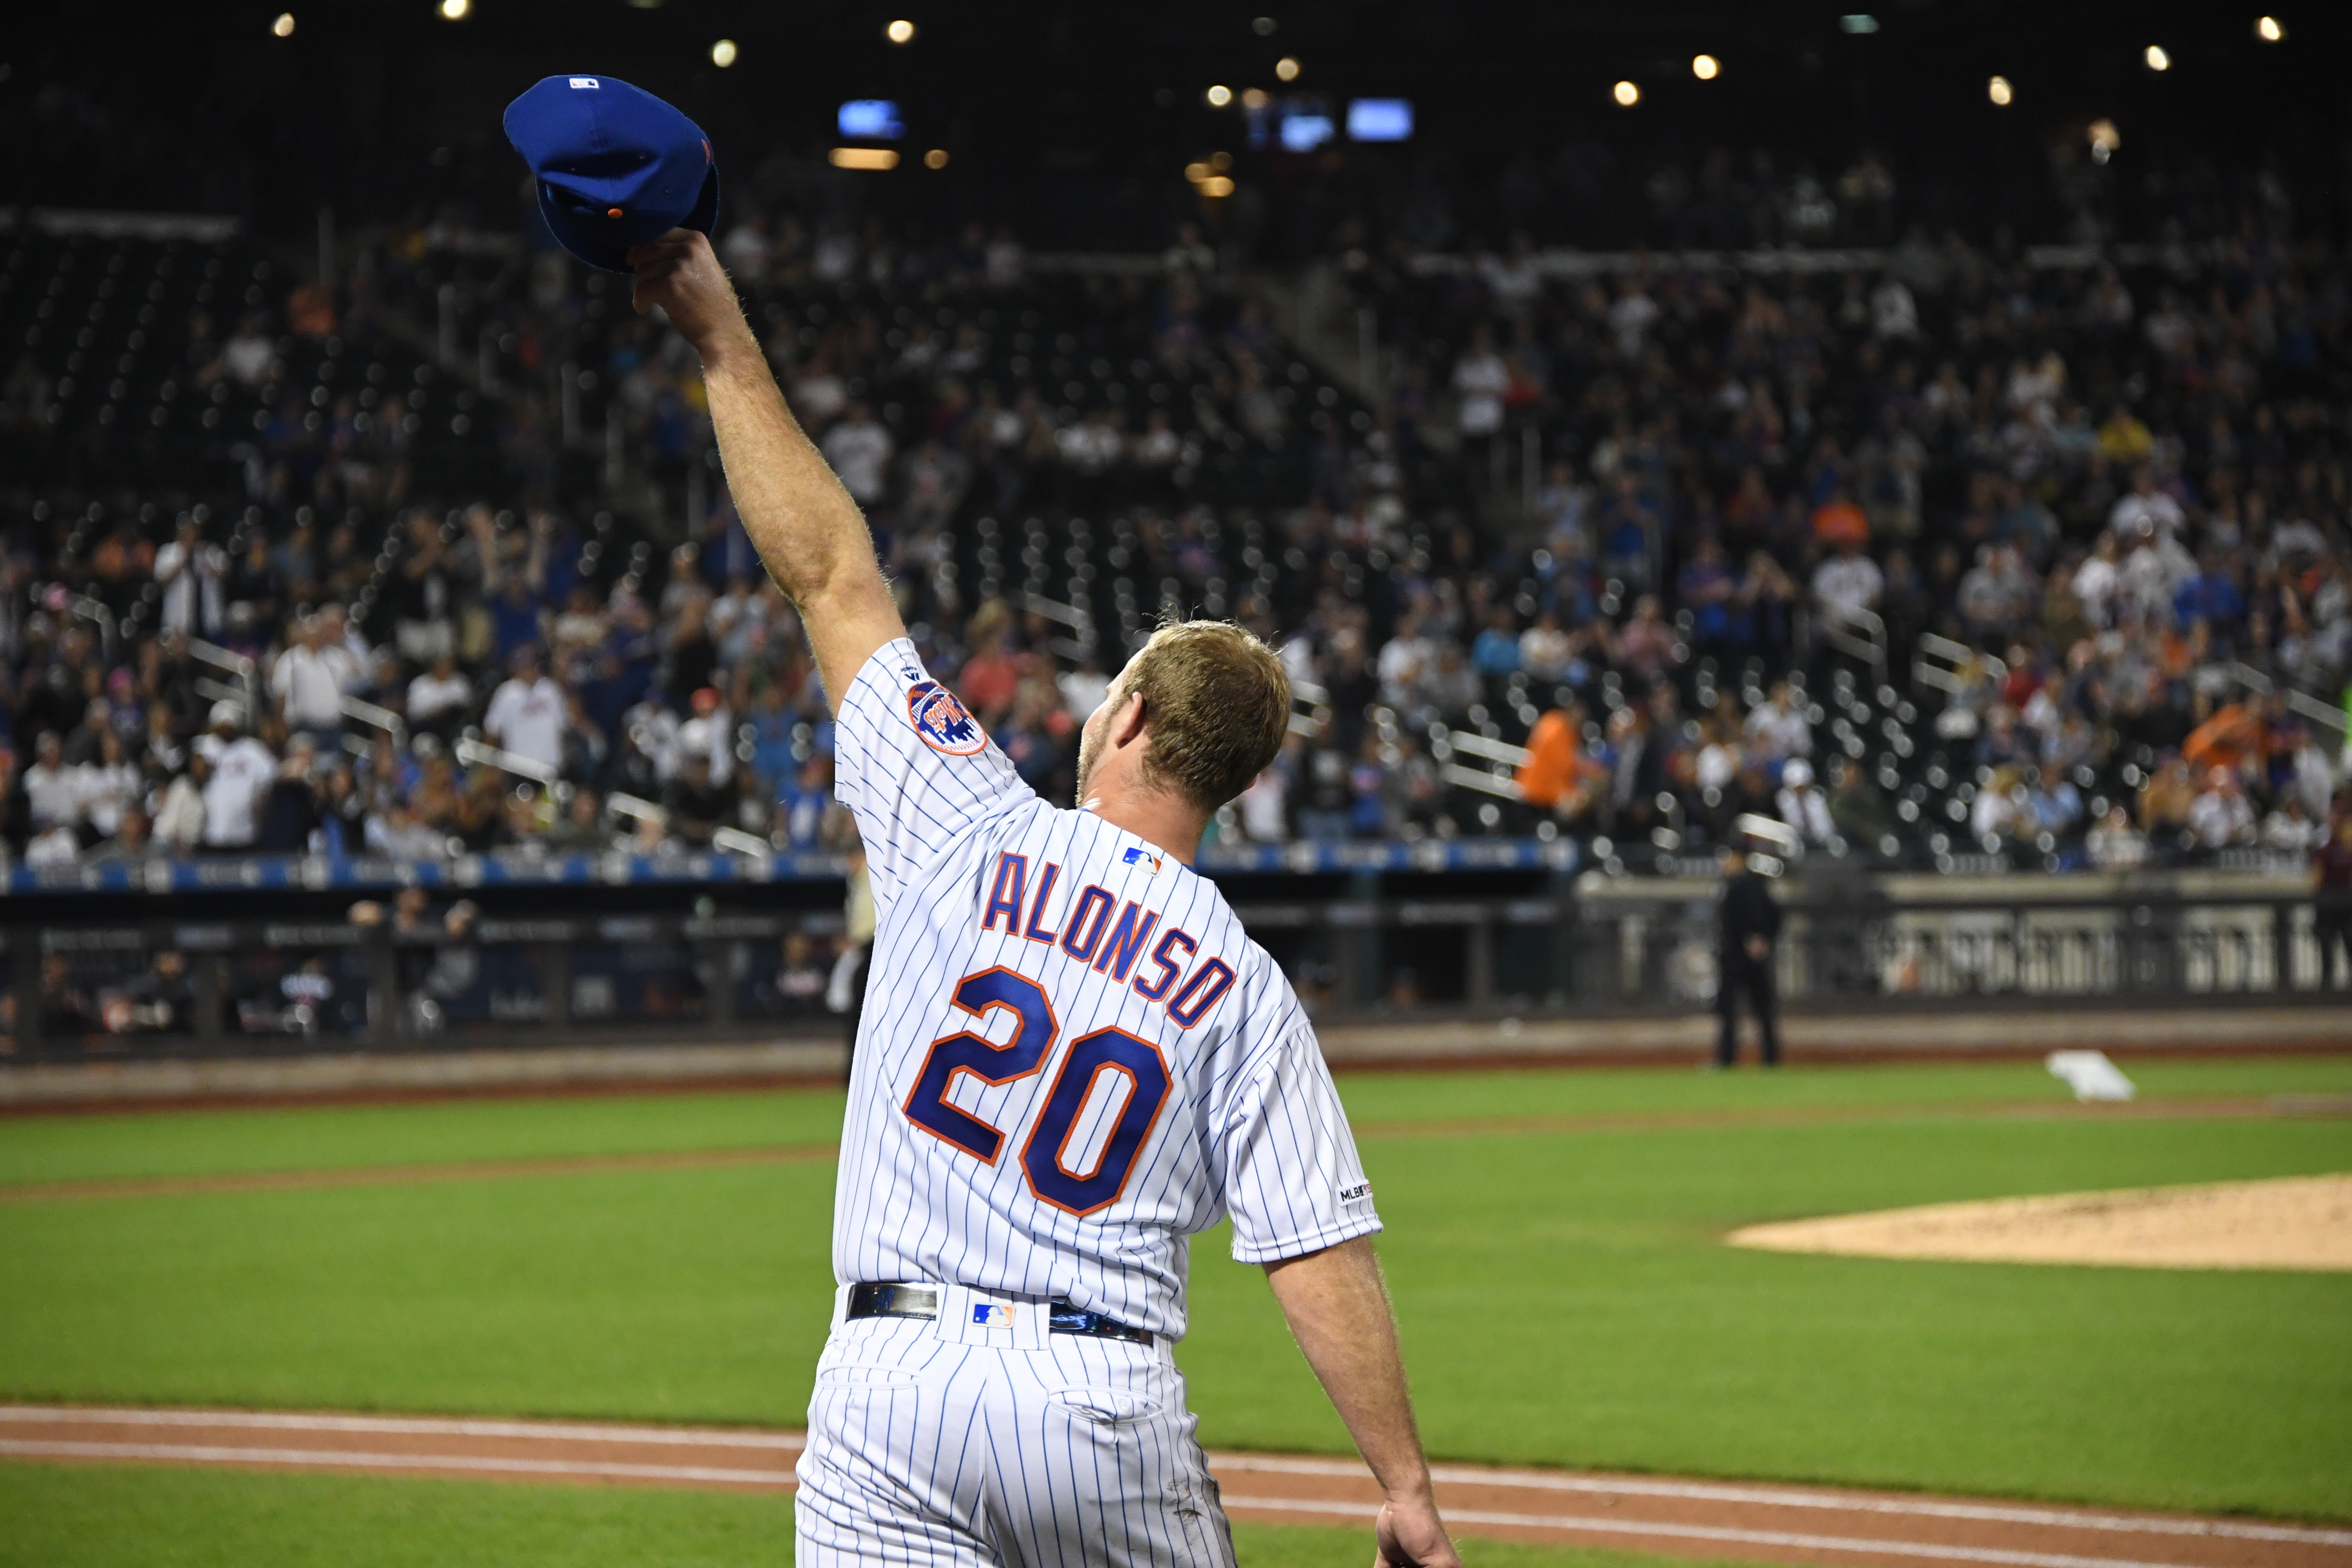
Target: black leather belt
923, 1301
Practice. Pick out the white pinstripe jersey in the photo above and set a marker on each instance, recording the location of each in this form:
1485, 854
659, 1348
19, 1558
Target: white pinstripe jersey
1072, 1058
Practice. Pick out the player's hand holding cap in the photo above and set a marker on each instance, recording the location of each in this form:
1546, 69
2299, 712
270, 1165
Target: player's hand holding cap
616, 167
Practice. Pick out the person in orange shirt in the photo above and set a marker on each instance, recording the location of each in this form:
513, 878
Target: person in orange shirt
1560, 776
1839, 522
2232, 735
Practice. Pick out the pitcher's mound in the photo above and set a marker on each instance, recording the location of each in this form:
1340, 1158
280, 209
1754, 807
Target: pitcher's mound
2297, 1221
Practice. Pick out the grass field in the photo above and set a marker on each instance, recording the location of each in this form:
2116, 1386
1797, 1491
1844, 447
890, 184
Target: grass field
1552, 1243
65, 1517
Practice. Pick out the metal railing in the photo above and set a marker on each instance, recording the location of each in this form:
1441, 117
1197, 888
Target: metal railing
249, 987
246, 672
2297, 699
1586, 950
1856, 631
1937, 662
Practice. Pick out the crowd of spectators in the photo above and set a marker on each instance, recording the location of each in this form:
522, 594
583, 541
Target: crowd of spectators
1676, 532
2115, 490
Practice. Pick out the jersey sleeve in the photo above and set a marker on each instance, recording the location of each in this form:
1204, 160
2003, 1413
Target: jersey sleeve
1293, 1182
913, 766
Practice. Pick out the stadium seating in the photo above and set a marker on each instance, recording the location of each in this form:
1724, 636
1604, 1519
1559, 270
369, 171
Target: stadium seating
1059, 456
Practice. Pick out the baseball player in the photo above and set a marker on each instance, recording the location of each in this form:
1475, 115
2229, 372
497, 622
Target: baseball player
1072, 1058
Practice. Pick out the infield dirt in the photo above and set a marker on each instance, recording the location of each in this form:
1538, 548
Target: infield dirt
2302, 1222
1647, 1513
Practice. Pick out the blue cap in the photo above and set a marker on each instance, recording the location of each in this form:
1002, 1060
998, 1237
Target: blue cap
616, 167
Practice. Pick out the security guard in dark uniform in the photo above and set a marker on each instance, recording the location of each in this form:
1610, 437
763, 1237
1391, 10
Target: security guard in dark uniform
1751, 923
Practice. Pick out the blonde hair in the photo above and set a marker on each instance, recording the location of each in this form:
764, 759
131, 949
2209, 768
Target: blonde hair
1217, 701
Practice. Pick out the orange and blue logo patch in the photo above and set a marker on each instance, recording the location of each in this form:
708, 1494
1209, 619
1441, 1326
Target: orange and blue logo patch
942, 720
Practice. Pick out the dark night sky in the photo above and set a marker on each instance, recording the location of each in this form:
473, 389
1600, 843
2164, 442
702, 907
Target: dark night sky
376, 106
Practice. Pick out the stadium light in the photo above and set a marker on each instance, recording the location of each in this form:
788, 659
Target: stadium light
1217, 185
2104, 140
456, 10
1286, 68
1220, 96
2268, 31
284, 26
1263, 26
937, 158
2157, 59
875, 158
1254, 98
1626, 94
900, 32
1219, 161
1859, 22
1196, 173
724, 53
1998, 90
1707, 68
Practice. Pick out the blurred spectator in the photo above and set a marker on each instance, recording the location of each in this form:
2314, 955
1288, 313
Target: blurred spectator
1559, 775
581, 829
528, 713
1849, 582
2221, 815
288, 810
52, 790
310, 679
2114, 845
859, 450
191, 574
1802, 805
803, 805
243, 770
180, 819
440, 698
798, 987
1857, 809
1645, 646
698, 807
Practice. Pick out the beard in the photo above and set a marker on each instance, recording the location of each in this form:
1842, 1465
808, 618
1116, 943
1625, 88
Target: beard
1085, 761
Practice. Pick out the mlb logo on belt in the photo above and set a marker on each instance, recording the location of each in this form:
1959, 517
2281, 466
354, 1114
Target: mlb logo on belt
989, 1315
942, 720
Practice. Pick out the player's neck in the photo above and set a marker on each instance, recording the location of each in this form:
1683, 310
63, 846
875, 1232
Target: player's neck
1161, 820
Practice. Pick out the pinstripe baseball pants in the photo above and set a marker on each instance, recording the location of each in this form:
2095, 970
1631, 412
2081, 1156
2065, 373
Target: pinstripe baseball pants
981, 1438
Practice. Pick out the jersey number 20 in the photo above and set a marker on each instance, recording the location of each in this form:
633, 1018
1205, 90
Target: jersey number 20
1046, 1157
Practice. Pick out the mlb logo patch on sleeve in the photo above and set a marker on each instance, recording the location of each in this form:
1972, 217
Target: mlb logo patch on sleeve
942, 720
989, 1315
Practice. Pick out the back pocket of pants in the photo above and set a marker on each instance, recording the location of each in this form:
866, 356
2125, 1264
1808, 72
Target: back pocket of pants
878, 1379
1105, 1407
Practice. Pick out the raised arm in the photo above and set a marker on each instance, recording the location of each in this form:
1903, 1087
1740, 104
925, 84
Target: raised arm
808, 532
1339, 1312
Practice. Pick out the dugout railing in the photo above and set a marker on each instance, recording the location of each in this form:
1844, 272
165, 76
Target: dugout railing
98, 989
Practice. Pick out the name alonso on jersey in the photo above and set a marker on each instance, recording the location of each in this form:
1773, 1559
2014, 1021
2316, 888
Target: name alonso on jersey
1118, 944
